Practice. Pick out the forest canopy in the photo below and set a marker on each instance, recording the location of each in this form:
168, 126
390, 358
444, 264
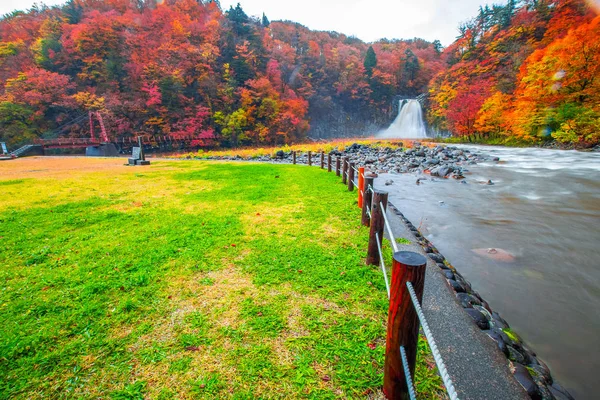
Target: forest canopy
186, 67
525, 69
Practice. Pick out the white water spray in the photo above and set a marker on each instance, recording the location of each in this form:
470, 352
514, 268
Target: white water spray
408, 124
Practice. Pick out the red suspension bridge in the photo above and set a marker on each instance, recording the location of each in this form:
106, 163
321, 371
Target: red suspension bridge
98, 137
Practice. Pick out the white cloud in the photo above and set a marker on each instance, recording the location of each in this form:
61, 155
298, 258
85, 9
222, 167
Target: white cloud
374, 19
368, 20
7, 6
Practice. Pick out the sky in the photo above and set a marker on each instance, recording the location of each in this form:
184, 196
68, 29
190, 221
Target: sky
368, 20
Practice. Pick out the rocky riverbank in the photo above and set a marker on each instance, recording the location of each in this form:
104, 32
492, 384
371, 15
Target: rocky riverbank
439, 161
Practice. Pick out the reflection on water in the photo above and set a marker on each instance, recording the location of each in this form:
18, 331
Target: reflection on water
544, 208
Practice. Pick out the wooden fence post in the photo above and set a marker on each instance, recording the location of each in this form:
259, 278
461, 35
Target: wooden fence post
337, 166
350, 177
403, 322
309, 158
361, 185
322, 160
377, 225
344, 170
293, 157
328, 162
367, 196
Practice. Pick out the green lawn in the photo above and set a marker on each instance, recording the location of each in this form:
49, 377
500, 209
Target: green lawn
186, 280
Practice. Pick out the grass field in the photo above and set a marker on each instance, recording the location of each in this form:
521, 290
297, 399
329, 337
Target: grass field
186, 279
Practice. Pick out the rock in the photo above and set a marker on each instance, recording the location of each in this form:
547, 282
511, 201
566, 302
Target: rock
442, 171
496, 159
479, 318
523, 376
389, 182
500, 321
463, 282
542, 371
280, 154
559, 392
543, 391
466, 300
482, 310
499, 341
449, 274
456, 286
495, 254
485, 305
438, 258
515, 355
489, 183
443, 266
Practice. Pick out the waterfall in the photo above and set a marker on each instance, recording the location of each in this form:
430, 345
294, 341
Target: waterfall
408, 124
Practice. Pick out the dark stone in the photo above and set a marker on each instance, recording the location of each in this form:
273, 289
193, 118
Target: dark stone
489, 183
443, 266
449, 274
523, 376
500, 320
543, 391
496, 159
428, 249
515, 355
464, 283
501, 333
456, 286
436, 257
542, 371
499, 341
559, 392
479, 318
280, 154
486, 305
466, 300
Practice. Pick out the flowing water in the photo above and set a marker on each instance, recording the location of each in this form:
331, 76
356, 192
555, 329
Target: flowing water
544, 209
408, 124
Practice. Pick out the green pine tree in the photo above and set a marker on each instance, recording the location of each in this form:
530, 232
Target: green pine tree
370, 61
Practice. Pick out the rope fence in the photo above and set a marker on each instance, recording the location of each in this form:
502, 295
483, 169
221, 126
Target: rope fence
405, 290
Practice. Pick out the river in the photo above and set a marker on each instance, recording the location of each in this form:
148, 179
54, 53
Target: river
544, 208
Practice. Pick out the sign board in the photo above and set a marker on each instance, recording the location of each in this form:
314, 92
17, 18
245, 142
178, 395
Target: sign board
135, 153
4, 149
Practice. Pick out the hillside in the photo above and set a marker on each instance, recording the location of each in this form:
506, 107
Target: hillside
186, 67
526, 71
